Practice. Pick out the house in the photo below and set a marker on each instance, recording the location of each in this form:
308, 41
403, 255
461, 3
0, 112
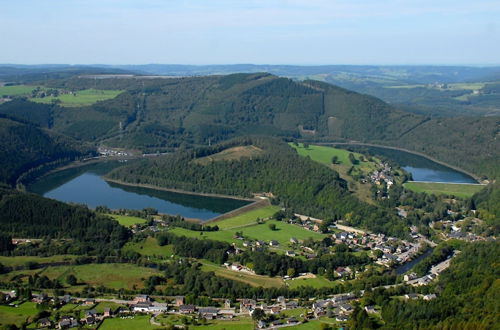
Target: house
39, 298
370, 309
90, 319
346, 308
275, 310
89, 302
260, 243
158, 308
44, 323
91, 312
291, 305
107, 312
290, 253
142, 298
66, 299
293, 240
142, 307
274, 243
281, 300
247, 305
227, 313
292, 320
186, 309
246, 244
209, 313
227, 303
179, 300
321, 304
319, 311
409, 277
261, 325
411, 296
67, 322
430, 296
341, 318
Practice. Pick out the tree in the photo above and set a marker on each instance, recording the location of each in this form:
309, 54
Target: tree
291, 272
258, 314
71, 279
272, 226
335, 160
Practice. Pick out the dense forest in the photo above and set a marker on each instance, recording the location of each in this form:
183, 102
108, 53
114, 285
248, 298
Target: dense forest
25, 147
70, 229
295, 182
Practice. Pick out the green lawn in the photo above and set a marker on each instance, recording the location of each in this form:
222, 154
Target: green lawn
22, 260
137, 322
318, 282
17, 315
248, 217
459, 190
17, 90
253, 280
81, 98
315, 324
107, 304
149, 247
68, 307
127, 221
236, 324
114, 276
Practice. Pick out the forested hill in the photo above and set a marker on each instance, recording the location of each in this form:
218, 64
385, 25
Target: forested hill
296, 182
166, 113
24, 215
24, 147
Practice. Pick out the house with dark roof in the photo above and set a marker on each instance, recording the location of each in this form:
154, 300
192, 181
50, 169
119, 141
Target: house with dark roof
187, 309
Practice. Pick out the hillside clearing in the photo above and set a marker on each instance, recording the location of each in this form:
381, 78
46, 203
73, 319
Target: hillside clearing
248, 218
250, 279
127, 221
234, 153
80, 98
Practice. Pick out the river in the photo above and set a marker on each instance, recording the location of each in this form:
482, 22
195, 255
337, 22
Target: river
85, 185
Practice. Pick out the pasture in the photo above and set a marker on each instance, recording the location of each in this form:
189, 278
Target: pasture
23, 260
127, 221
17, 315
317, 282
17, 90
457, 189
114, 276
250, 279
128, 323
80, 98
149, 247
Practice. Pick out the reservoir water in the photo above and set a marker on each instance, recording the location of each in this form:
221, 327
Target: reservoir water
421, 168
85, 185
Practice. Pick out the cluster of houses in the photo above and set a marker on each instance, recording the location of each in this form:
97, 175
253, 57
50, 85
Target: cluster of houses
339, 307
384, 174
108, 152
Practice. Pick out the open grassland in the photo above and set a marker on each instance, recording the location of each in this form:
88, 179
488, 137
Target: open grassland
248, 218
114, 276
457, 189
17, 315
316, 324
253, 280
317, 282
81, 98
23, 260
282, 234
149, 247
18, 90
234, 153
129, 323
99, 308
127, 221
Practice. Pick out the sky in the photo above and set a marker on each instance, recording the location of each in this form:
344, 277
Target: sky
301, 32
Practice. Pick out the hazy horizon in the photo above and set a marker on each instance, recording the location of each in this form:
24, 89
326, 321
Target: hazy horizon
272, 32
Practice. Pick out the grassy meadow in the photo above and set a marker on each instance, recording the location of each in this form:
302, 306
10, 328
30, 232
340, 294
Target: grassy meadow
149, 247
234, 153
317, 282
253, 280
129, 323
17, 90
127, 221
114, 276
81, 98
460, 190
23, 260
17, 315
247, 218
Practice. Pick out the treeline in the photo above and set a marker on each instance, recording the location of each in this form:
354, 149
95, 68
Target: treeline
296, 182
79, 230
467, 292
214, 251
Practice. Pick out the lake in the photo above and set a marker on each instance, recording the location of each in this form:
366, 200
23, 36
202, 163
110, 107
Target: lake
421, 168
84, 185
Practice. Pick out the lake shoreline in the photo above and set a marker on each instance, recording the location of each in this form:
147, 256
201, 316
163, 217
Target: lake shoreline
178, 191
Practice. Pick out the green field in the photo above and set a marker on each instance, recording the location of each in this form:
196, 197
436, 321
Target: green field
248, 217
253, 280
149, 247
234, 153
318, 282
107, 304
17, 90
81, 98
127, 221
256, 231
114, 276
22, 260
17, 315
315, 324
132, 323
236, 324
456, 189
